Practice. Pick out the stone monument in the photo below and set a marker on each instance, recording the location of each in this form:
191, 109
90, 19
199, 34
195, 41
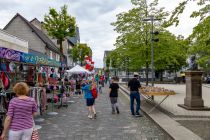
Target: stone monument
193, 77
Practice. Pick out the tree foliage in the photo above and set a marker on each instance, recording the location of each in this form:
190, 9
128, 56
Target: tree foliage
170, 52
202, 13
79, 52
59, 24
133, 41
135, 38
200, 43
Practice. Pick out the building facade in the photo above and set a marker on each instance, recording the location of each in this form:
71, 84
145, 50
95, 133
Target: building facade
13, 42
38, 42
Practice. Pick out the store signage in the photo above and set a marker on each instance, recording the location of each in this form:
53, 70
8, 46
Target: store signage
27, 57
10, 54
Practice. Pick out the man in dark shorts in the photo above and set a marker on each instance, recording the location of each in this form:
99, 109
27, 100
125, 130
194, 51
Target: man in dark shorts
113, 94
134, 86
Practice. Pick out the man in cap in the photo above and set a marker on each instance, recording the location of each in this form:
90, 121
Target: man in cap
134, 86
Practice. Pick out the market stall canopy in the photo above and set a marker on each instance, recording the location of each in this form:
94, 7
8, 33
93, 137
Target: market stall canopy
77, 70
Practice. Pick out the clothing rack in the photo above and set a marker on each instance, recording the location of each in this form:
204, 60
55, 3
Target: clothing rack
40, 97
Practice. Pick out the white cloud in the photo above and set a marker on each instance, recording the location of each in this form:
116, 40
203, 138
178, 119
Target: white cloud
93, 18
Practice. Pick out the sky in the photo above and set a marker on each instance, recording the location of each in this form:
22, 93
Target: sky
93, 18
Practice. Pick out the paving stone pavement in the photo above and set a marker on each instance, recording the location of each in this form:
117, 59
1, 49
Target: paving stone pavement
72, 123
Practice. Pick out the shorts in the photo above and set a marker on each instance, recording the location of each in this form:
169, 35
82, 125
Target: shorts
113, 100
90, 101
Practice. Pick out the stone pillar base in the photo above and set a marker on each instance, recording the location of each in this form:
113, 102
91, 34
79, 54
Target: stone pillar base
193, 99
194, 102
204, 108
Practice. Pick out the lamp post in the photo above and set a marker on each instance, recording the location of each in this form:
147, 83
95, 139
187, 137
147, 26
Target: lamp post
152, 19
127, 65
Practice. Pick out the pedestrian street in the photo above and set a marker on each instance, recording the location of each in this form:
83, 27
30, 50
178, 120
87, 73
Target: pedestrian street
72, 123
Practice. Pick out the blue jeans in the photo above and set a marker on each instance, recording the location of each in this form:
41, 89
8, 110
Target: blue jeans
134, 95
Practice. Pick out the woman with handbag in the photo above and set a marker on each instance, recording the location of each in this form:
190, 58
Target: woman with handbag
19, 120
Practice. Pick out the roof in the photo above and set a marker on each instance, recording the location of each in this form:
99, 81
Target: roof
49, 44
76, 38
106, 53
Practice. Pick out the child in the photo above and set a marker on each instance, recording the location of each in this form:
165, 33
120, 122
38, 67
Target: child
113, 94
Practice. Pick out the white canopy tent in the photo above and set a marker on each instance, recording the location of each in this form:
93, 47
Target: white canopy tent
77, 70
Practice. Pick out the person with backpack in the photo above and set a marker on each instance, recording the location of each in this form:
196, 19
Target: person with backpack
134, 86
113, 94
94, 92
89, 99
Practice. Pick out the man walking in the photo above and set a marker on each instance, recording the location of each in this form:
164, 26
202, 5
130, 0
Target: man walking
134, 86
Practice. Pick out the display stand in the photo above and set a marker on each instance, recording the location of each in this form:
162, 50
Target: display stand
52, 103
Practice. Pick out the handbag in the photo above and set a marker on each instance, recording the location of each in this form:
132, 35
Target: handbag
35, 135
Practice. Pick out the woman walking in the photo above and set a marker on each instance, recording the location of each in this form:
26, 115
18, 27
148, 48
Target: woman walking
19, 120
89, 100
113, 94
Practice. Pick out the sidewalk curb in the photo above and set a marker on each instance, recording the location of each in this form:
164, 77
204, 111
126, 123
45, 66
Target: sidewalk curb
170, 126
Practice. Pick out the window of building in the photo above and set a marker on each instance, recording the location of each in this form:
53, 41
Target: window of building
51, 55
57, 57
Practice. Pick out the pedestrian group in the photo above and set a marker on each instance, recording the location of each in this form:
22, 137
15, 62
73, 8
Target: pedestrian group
19, 122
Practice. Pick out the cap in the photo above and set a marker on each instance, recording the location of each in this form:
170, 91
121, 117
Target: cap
136, 73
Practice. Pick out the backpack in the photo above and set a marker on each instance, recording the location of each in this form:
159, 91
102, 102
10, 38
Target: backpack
94, 93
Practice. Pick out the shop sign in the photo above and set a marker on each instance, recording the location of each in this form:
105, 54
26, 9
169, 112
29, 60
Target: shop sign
27, 57
10, 54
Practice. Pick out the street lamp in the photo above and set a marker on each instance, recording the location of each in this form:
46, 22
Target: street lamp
127, 65
152, 19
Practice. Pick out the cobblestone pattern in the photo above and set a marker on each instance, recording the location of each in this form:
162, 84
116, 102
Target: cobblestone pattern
72, 123
201, 128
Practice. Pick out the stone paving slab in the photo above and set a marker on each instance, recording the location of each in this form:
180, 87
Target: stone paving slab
72, 123
173, 128
170, 104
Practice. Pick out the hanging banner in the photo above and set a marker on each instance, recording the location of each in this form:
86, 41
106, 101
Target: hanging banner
10, 54
27, 57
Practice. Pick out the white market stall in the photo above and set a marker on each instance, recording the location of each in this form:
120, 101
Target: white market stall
78, 70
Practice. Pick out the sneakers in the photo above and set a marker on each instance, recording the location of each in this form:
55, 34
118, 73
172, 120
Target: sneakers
138, 115
95, 116
118, 112
90, 116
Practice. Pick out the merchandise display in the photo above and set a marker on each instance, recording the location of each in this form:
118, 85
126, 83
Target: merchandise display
156, 90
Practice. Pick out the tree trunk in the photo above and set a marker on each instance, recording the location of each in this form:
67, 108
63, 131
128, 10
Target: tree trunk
146, 43
161, 76
61, 46
61, 56
147, 73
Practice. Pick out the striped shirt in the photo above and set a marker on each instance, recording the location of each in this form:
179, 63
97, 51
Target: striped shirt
21, 111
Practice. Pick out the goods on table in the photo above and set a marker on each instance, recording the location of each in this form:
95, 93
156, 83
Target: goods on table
156, 91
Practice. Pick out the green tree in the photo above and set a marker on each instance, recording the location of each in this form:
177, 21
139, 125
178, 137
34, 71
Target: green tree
79, 52
202, 13
199, 42
59, 24
134, 33
170, 53
135, 38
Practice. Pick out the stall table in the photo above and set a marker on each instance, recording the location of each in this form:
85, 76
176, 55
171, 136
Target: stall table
148, 96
